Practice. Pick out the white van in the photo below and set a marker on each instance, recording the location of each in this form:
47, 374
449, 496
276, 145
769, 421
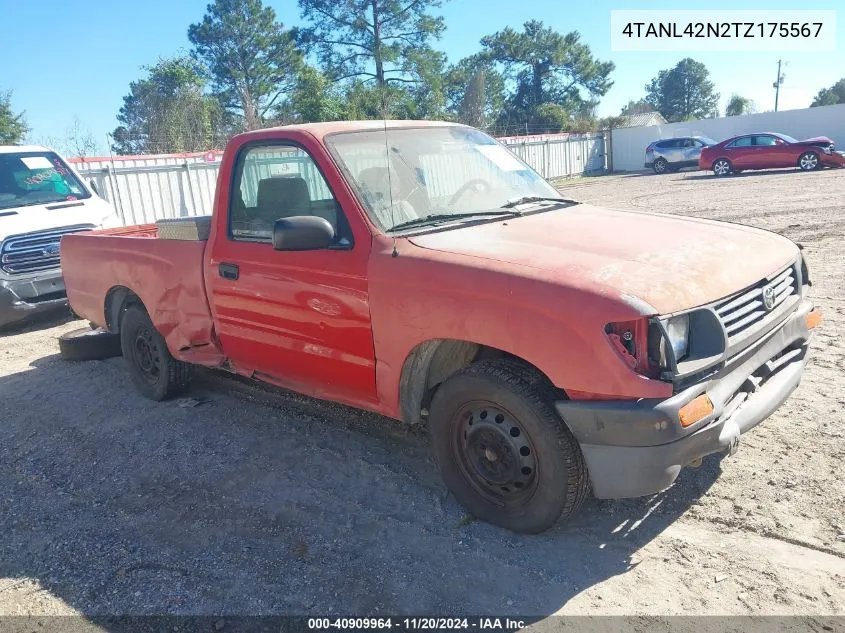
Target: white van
41, 199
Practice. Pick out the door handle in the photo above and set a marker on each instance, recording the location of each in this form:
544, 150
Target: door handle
229, 271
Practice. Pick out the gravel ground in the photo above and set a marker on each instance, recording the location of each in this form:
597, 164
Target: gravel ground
256, 501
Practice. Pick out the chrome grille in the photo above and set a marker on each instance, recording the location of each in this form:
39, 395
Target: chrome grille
739, 313
33, 252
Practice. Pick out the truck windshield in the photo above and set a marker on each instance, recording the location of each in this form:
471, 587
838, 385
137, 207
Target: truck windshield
416, 173
29, 178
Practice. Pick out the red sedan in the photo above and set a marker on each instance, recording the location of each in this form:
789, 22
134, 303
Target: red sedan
768, 151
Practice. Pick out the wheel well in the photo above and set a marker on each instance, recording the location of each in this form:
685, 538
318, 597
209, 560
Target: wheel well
430, 363
118, 299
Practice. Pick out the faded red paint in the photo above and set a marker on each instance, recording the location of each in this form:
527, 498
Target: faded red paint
341, 324
165, 275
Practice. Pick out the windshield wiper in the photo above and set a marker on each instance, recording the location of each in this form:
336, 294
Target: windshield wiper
526, 199
434, 218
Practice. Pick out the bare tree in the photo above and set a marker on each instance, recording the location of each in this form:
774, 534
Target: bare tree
79, 141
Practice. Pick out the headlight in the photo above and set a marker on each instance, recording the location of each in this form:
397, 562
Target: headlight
677, 329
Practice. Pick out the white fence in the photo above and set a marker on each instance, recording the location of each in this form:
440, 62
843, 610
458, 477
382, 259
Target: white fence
628, 144
560, 155
148, 188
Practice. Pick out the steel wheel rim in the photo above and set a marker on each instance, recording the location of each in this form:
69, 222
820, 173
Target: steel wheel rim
721, 167
809, 161
145, 352
494, 453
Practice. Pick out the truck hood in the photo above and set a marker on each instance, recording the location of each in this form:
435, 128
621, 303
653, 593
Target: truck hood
658, 263
42, 217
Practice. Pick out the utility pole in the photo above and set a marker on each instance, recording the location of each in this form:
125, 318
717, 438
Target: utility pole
777, 85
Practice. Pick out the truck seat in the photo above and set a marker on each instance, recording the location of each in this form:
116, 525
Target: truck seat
282, 197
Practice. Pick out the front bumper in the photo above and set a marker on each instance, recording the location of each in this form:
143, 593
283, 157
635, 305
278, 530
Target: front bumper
636, 448
22, 298
834, 159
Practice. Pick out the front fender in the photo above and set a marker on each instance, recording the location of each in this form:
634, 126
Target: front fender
558, 329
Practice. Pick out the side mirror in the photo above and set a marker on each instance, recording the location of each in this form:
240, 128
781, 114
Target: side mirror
93, 186
302, 233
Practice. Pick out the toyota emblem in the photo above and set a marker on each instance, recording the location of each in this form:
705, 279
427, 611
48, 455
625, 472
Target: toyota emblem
768, 298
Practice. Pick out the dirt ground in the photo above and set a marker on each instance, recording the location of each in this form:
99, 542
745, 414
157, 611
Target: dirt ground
264, 502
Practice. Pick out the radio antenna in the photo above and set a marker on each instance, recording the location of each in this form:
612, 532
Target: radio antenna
387, 160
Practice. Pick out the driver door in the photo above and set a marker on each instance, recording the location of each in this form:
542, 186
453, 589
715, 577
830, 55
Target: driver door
769, 151
299, 319
691, 152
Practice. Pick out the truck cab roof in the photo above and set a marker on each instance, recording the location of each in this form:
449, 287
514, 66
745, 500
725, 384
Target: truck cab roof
320, 130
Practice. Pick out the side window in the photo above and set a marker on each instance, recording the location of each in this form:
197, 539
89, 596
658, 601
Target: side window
745, 141
279, 181
765, 140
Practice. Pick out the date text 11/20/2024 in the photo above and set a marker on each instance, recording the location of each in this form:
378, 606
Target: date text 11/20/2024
416, 624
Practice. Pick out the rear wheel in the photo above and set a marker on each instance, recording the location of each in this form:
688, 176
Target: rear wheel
808, 161
502, 449
722, 167
660, 166
154, 372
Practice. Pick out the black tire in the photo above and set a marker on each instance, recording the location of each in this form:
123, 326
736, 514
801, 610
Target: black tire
154, 372
87, 343
722, 167
503, 451
660, 166
809, 161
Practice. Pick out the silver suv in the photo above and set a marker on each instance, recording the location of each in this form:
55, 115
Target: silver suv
671, 154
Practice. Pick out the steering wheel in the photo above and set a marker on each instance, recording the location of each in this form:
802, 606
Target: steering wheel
476, 184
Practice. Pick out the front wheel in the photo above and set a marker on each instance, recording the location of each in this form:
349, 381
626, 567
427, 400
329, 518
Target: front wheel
722, 167
808, 161
154, 372
502, 449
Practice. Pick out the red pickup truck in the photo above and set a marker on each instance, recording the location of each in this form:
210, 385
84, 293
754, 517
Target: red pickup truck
421, 271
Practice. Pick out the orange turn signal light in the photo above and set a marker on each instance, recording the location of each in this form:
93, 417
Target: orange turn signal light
695, 410
813, 319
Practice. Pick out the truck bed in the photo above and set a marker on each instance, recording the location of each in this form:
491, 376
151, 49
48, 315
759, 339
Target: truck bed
167, 276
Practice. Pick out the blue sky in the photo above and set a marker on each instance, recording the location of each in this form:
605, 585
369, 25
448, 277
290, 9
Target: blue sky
75, 59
